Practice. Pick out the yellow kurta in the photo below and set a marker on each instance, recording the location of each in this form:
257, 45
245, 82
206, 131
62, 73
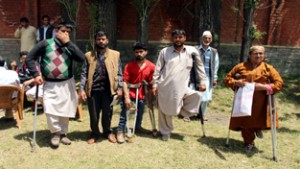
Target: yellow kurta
260, 115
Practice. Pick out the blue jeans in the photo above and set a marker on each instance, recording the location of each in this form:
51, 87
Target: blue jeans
123, 118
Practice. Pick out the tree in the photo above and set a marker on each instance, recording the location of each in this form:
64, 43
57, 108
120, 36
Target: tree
210, 19
248, 29
144, 9
107, 18
70, 11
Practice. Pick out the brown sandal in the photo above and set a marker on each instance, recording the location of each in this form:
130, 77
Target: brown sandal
112, 138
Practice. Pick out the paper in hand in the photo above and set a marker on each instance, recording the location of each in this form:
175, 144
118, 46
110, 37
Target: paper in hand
115, 100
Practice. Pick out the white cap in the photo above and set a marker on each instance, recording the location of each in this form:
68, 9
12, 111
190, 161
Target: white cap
206, 33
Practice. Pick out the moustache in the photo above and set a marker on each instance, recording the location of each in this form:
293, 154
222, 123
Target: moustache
139, 57
100, 46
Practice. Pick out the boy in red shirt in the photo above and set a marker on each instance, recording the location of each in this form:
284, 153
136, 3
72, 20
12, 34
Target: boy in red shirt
135, 72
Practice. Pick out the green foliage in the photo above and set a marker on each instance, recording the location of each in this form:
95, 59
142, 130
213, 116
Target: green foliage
216, 37
234, 9
291, 89
143, 6
256, 34
72, 7
251, 3
93, 15
223, 70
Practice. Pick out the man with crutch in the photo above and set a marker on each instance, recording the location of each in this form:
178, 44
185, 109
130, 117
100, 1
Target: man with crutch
171, 79
135, 72
254, 70
60, 97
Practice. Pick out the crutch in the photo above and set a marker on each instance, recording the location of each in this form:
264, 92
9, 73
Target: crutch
130, 133
194, 74
272, 108
35, 118
150, 109
237, 76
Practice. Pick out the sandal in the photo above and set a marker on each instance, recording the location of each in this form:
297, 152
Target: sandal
186, 119
112, 138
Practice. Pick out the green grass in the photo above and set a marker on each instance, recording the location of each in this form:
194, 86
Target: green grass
185, 149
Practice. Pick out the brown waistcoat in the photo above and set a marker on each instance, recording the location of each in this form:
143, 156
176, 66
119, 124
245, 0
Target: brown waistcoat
111, 61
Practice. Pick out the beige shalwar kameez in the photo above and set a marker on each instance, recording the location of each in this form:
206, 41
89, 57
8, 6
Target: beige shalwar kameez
171, 78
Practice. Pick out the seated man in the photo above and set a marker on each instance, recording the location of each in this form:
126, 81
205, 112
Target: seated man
8, 77
27, 79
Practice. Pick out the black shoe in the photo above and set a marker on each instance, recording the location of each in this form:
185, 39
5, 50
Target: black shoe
9, 120
249, 148
141, 130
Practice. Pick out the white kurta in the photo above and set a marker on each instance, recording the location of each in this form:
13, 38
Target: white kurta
171, 77
60, 98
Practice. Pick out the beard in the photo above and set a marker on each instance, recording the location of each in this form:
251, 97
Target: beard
139, 58
178, 45
100, 46
206, 43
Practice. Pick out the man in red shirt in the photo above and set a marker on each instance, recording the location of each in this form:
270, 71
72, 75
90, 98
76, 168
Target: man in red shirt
135, 72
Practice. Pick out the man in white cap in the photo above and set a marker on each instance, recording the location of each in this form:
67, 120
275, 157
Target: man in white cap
210, 58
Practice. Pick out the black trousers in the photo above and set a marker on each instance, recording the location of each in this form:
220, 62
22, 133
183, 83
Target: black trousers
100, 102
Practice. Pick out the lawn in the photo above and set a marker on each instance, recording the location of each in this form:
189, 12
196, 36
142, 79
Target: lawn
185, 149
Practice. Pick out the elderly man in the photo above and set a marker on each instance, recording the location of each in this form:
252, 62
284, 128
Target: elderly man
210, 59
8, 77
171, 79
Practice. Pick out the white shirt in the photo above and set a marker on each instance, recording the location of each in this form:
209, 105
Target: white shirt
9, 77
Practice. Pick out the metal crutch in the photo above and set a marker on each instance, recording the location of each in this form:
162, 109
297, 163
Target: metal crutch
35, 119
273, 123
130, 133
151, 110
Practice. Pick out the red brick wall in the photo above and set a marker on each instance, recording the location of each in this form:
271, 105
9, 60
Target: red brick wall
12, 10
50, 8
230, 29
166, 16
290, 26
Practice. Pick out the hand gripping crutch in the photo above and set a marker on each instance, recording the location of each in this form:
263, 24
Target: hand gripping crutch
272, 108
130, 133
237, 76
150, 109
35, 118
194, 76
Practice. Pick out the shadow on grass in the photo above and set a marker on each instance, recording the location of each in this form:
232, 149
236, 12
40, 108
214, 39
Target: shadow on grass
7, 124
155, 134
288, 116
287, 130
220, 149
43, 137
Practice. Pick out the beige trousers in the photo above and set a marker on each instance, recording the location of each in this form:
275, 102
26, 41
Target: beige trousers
190, 107
57, 124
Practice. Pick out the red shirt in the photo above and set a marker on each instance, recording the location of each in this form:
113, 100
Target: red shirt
133, 74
